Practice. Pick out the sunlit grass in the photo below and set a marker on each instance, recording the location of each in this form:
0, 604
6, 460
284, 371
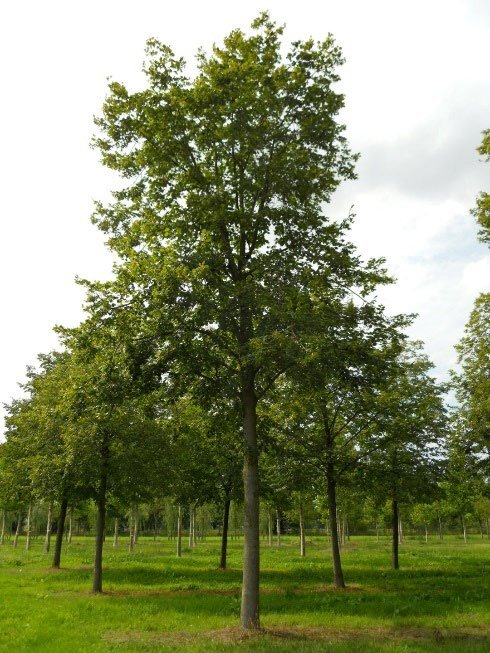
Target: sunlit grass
439, 599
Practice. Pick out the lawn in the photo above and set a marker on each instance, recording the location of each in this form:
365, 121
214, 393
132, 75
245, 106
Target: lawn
438, 601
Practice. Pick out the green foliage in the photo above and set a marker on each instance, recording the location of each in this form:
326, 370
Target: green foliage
482, 210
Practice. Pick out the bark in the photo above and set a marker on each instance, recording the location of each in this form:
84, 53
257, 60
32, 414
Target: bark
132, 525
338, 575
400, 530
29, 527
17, 530
47, 541
440, 527
179, 532
136, 524
269, 525
101, 514
224, 535
395, 542
2, 534
116, 532
302, 542
463, 524
70, 526
480, 524
278, 527
60, 527
426, 533
249, 614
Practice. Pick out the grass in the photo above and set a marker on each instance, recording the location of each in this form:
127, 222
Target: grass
438, 601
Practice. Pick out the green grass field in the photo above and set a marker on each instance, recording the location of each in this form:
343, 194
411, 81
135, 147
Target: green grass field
438, 601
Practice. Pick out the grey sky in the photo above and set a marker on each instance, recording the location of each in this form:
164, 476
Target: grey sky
417, 98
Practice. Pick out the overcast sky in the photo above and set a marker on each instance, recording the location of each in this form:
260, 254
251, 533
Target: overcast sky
416, 82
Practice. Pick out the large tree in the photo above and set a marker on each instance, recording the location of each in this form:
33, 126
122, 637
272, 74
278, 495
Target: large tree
220, 229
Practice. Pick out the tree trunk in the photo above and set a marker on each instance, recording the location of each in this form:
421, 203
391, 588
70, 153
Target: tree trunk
136, 525
154, 528
132, 526
395, 542
302, 542
70, 526
224, 535
338, 575
440, 527
101, 511
29, 526
377, 532
115, 541
426, 533
269, 526
47, 541
2, 534
179, 532
190, 527
480, 524
60, 527
249, 613
463, 524
17, 530
400, 530
278, 528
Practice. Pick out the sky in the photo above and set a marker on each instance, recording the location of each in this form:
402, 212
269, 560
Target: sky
417, 94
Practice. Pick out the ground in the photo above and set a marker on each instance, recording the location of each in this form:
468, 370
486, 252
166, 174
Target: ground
439, 600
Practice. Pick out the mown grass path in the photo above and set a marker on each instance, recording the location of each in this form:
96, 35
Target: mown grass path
438, 601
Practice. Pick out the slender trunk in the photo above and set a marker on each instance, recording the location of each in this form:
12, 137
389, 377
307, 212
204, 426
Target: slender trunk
179, 532
132, 526
116, 532
47, 541
190, 527
426, 533
2, 534
463, 524
400, 530
302, 542
440, 527
338, 575
269, 525
70, 526
155, 528
480, 524
101, 511
278, 528
29, 526
136, 525
377, 532
249, 614
394, 549
346, 530
224, 535
339, 529
488, 529
17, 530
60, 527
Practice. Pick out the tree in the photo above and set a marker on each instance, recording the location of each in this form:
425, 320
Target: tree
220, 228
407, 469
472, 384
482, 210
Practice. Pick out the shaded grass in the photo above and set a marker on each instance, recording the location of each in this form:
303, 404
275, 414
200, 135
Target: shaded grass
438, 600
